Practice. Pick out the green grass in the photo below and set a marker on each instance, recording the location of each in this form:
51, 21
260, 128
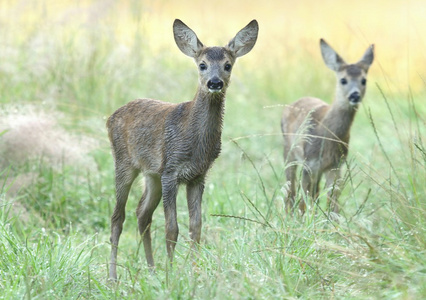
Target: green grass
54, 212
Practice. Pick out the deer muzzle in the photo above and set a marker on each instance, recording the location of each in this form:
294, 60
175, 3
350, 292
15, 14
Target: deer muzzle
215, 85
355, 98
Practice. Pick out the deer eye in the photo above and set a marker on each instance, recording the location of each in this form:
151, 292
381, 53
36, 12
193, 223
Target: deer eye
343, 81
228, 67
203, 67
363, 81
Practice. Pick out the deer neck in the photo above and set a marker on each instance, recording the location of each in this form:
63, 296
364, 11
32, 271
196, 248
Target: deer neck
207, 117
338, 120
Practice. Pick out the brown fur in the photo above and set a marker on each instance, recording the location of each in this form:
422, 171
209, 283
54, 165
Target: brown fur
173, 144
317, 134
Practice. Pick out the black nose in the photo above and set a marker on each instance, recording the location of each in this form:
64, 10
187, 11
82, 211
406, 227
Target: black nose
355, 97
215, 84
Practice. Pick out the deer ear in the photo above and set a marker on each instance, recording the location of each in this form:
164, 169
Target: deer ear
367, 59
186, 39
245, 39
332, 60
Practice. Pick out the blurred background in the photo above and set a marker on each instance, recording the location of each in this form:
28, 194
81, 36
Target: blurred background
288, 39
88, 58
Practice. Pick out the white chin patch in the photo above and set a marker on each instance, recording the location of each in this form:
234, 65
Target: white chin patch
214, 91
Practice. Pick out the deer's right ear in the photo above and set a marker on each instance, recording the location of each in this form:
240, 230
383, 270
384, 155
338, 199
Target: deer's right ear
331, 58
245, 39
186, 39
367, 58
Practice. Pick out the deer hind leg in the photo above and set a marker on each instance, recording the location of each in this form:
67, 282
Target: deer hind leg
146, 207
124, 177
290, 173
306, 187
310, 186
170, 187
333, 183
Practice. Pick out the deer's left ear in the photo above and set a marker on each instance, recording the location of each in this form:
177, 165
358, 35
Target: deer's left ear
245, 39
367, 59
331, 58
186, 39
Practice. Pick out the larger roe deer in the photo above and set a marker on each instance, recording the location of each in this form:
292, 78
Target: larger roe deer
317, 134
173, 144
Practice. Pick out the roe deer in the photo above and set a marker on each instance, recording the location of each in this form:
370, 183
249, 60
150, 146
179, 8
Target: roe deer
317, 134
171, 143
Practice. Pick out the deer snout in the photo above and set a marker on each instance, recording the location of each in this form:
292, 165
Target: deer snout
355, 98
215, 84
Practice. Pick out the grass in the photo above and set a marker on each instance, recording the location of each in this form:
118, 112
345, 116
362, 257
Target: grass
65, 68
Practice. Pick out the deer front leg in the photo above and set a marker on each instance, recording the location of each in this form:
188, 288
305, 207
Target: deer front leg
333, 183
170, 186
194, 192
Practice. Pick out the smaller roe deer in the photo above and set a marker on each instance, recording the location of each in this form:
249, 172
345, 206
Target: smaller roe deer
317, 134
173, 144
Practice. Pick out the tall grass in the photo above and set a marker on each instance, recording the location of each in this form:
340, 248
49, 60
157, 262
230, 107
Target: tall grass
77, 63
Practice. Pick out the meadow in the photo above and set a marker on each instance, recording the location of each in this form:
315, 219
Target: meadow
65, 66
